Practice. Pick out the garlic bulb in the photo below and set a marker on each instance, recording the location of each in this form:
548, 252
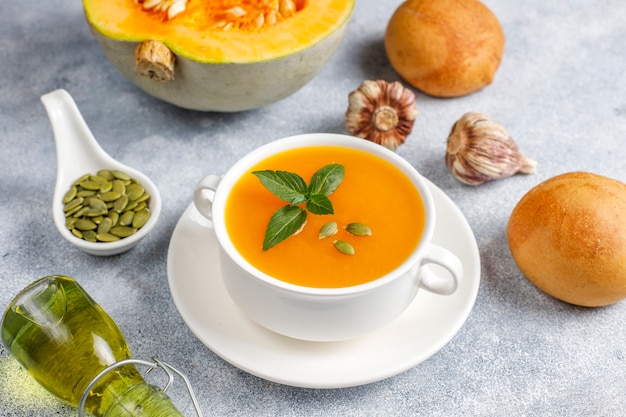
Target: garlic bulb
381, 112
480, 150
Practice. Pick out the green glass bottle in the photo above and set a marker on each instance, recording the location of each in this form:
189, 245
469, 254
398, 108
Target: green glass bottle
58, 333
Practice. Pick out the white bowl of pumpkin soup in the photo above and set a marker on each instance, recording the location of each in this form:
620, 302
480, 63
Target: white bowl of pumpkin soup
324, 237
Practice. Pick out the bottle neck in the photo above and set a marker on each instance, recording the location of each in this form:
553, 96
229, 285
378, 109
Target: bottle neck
139, 400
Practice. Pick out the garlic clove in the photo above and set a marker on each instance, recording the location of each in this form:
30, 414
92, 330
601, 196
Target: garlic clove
480, 150
381, 112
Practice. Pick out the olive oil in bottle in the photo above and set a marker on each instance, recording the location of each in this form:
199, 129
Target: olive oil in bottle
64, 339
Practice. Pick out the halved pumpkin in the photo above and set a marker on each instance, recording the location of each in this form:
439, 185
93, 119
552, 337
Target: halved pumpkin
219, 55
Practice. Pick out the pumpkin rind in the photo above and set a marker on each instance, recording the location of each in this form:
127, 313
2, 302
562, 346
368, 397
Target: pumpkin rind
223, 70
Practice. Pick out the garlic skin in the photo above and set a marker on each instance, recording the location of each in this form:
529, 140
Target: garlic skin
381, 112
480, 150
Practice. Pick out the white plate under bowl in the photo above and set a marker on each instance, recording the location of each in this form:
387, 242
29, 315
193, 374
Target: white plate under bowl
423, 329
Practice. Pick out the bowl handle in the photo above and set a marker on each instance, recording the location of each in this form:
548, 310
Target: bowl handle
442, 285
204, 193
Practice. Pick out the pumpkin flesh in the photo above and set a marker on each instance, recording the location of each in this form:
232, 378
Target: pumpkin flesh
208, 31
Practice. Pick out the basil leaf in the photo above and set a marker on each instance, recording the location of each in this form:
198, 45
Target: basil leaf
285, 185
284, 222
326, 179
319, 204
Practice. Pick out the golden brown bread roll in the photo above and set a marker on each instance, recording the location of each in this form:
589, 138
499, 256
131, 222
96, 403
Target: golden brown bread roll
568, 237
446, 48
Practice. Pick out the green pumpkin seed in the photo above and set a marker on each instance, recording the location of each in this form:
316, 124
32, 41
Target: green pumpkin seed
73, 211
77, 233
73, 204
106, 187
84, 224
81, 179
85, 193
144, 197
134, 191
141, 218
82, 212
132, 205
358, 229
120, 175
122, 231
110, 196
90, 185
126, 219
328, 229
89, 236
114, 216
70, 194
96, 203
98, 179
121, 203
105, 226
107, 237
105, 173
344, 247
140, 206
69, 222
119, 187
96, 212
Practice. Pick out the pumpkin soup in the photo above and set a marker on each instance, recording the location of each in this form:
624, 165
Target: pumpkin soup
373, 192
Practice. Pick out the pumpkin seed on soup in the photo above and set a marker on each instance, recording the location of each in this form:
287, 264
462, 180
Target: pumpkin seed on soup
105, 207
328, 229
358, 229
344, 247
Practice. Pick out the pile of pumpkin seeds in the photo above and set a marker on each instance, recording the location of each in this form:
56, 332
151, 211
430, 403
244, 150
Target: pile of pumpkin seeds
105, 207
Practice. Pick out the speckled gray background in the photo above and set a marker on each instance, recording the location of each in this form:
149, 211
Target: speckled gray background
561, 93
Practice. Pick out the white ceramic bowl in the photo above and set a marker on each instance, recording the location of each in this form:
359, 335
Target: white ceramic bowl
325, 314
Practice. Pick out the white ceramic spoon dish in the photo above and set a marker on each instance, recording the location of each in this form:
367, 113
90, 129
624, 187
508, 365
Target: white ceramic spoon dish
79, 153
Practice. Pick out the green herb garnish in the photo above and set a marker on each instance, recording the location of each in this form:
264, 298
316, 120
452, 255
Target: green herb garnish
291, 188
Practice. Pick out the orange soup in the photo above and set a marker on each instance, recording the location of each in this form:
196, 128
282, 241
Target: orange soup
373, 192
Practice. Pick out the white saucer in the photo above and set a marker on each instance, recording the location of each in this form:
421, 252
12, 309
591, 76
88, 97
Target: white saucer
424, 328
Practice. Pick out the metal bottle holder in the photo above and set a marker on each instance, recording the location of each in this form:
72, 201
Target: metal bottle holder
168, 369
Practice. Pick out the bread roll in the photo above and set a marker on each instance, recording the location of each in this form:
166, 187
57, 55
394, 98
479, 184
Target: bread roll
445, 48
568, 237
